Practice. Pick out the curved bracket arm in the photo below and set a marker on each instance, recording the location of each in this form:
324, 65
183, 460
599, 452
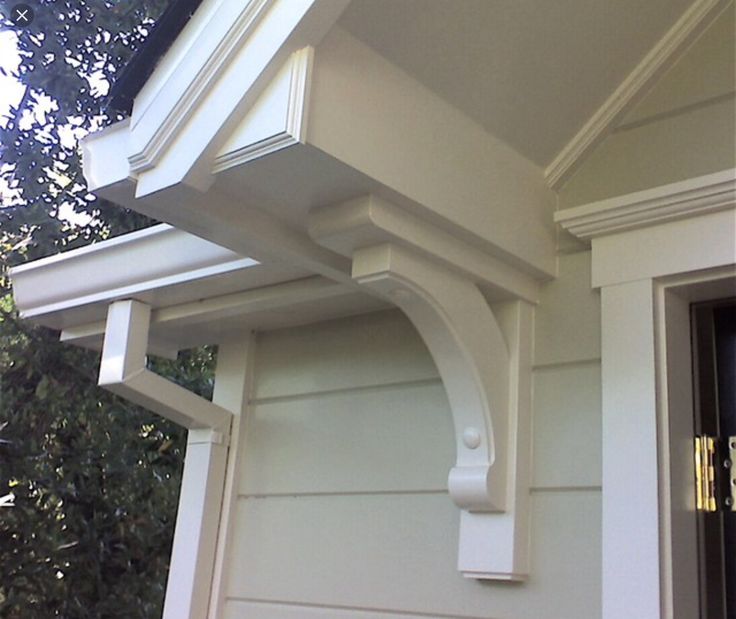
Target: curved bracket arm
471, 355
484, 360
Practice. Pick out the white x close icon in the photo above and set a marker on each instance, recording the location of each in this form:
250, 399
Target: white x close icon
21, 15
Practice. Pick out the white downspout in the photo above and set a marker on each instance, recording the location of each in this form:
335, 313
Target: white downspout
123, 371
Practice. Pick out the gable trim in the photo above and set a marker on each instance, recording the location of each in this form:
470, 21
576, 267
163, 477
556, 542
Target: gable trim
200, 86
661, 57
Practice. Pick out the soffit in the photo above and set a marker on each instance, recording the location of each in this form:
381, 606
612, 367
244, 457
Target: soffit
530, 72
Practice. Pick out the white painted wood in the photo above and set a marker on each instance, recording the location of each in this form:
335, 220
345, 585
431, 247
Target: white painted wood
225, 27
631, 532
232, 386
680, 582
567, 319
222, 86
669, 149
694, 21
693, 197
104, 160
516, 68
382, 439
369, 220
486, 375
277, 120
648, 538
706, 71
567, 426
485, 367
489, 195
673, 247
382, 348
173, 321
388, 553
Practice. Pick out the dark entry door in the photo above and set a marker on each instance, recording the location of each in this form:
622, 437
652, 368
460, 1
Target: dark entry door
714, 368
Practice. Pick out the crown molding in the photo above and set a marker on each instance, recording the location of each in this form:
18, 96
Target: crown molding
200, 86
696, 196
663, 55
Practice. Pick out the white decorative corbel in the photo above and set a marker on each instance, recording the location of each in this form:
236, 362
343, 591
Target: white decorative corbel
483, 355
468, 347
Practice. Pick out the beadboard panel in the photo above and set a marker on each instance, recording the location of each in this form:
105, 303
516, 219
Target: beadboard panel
568, 317
396, 553
372, 349
389, 438
567, 426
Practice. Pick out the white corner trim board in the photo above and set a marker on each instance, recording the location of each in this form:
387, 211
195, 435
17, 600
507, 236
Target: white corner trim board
692, 197
693, 22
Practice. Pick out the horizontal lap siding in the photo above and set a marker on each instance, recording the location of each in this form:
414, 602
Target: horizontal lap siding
396, 553
342, 506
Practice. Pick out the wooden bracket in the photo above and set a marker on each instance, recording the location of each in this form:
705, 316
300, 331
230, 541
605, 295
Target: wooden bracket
483, 354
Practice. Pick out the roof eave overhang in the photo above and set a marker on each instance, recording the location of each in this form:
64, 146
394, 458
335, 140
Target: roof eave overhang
273, 133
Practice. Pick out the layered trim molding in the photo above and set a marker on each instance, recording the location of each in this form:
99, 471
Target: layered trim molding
693, 22
200, 86
295, 119
696, 196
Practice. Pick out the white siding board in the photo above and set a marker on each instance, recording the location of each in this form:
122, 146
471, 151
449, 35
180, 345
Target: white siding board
239, 609
568, 317
567, 426
343, 510
372, 349
396, 553
385, 439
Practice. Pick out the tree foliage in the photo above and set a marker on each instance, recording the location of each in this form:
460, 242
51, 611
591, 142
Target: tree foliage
94, 480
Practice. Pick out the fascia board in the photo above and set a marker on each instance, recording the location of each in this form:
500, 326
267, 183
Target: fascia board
193, 112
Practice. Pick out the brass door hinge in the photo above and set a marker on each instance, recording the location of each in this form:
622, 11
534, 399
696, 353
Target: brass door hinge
705, 474
715, 475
